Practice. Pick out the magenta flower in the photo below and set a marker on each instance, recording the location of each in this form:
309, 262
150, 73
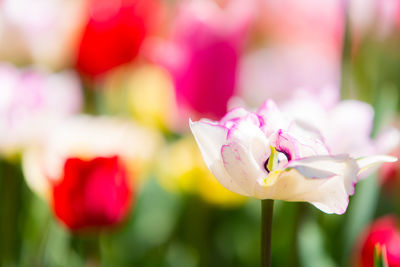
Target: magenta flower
206, 46
268, 156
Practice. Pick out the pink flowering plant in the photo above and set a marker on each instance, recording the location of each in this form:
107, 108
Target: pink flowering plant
266, 155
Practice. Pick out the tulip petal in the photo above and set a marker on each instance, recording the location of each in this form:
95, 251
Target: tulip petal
311, 172
324, 181
354, 119
365, 164
246, 152
234, 114
272, 117
210, 138
298, 146
33, 172
242, 166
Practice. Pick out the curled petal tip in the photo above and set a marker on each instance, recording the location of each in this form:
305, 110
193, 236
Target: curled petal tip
367, 163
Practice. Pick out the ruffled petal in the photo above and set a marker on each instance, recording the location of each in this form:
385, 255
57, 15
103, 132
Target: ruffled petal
298, 146
246, 151
246, 136
210, 138
324, 181
273, 120
233, 115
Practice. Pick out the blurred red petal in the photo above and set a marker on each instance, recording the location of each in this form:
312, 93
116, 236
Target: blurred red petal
92, 194
113, 34
383, 231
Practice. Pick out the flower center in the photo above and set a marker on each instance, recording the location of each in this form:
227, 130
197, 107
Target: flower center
276, 160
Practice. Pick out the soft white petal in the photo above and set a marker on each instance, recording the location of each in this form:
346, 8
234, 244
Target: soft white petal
306, 129
210, 139
34, 172
345, 128
387, 140
248, 134
273, 119
246, 152
309, 180
30, 100
242, 166
103, 136
349, 128
305, 108
87, 137
338, 165
311, 172
286, 186
234, 114
365, 164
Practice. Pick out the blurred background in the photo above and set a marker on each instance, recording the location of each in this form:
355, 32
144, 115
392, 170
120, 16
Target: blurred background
97, 163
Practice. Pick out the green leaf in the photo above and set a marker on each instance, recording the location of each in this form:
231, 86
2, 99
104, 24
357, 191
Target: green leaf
361, 210
380, 259
311, 246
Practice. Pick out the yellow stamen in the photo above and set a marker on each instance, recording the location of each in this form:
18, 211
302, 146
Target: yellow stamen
271, 178
273, 159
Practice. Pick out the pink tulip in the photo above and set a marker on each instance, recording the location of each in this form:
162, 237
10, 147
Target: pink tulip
302, 49
203, 55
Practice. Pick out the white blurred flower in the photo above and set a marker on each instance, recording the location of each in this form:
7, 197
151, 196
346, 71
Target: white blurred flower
302, 48
379, 16
278, 72
87, 137
30, 100
42, 31
345, 126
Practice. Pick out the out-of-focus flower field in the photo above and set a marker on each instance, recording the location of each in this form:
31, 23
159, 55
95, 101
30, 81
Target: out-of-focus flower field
98, 166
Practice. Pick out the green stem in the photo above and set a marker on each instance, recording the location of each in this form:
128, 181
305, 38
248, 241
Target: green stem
10, 213
87, 246
267, 209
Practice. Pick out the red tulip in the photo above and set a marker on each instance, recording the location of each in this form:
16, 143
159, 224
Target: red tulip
384, 233
113, 34
92, 193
